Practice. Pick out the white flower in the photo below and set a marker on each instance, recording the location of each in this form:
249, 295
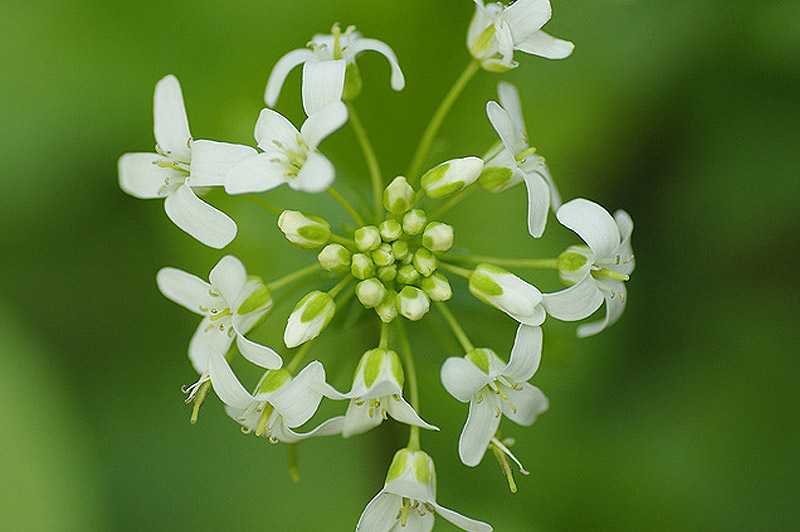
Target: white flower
289, 156
507, 292
497, 30
180, 165
493, 389
328, 63
514, 160
597, 272
407, 501
377, 392
280, 403
231, 305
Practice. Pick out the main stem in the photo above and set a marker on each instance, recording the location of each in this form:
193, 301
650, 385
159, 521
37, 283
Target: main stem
294, 276
411, 378
436, 121
455, 326
499, 261
372, 161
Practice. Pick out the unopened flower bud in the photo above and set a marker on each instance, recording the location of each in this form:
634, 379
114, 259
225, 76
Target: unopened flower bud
407, 274
390, 230
362, 266
437, 287
412, 303
383, 255
497, 178
370, 292
451, 177
367, 238
305, 230
425, 262
398, 197
387, 310
388, 273
414, 221
507, 292
437, 237
309, 317
400, 249
334, 258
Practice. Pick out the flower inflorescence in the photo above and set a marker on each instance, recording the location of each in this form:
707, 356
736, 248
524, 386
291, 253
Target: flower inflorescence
397, 260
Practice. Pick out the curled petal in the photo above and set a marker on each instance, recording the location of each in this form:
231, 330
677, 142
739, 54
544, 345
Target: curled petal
298, 399
576, 302
258, 354
593, 224
538, 203
398, 81
226, 385
403, 412
210, 226
462, 522
327, 428
526, 354
281, 69
141, 176
481, 425
323, 83
614, 307
525, 17
509, 100
208, 338
544, 45
504, 125
169, 116
380, 515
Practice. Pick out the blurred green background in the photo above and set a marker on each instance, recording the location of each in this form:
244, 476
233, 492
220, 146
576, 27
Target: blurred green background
682, 416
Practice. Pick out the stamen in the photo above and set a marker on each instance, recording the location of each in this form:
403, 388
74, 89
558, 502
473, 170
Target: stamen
513, 407
273, 440
497, 411
479, 398
262, 421
629, 259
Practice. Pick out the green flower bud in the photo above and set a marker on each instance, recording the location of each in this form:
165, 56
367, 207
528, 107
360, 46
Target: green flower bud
387, 310
451, 177
370, 292
414, 221
367, 238
383, 256
573, 264
398, 197
362, 266
305, 230
425, 262
407, 274
412, 303
387, 274
309, 317
400, 249
437, 237
390, 230
437, 287
497, 178
334, 258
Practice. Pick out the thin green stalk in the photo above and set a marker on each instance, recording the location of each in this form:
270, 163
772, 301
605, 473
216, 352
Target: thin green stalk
455, 200
499, 261
411, 378
274, 209
346, 204
339, 286
372, 161
455, 326
436, 121
458, 270
298, 357
384, 343
342, 240
294, 276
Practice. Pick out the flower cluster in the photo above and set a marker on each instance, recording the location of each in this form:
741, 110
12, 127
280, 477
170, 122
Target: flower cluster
397, 260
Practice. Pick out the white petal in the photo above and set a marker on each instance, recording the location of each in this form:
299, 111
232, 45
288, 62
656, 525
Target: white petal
258, 354
538, 203
543, 45
327, 428
526, 354
509, 100
528, 403
228, 276
171, 125
316, 175
207, 224
323, 123
208, 338
281, 69
555, 197
358, 419
505, 46
576, 302
398, 82
462, 379
416, 523
274, 131
504, 125
593, 224
525, 17
211, 160
226, 385
298, 400
323, 83
185, 289
479, 429
380, 515
255, 174
520, 300
462, 522
403, 412
625, 224
141, 177
614, 308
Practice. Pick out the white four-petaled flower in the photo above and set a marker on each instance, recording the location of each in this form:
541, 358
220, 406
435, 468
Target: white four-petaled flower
597, 272
407, 501
289, 156
497, 30
181, 165
493, 389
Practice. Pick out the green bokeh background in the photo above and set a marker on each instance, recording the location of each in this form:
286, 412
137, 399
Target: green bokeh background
682, 416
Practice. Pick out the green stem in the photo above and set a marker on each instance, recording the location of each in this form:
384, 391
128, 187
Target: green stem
346, 204
298, 357
274, 209
339, 286
499, 261
436, 121
294, 276
291, 459
411, 378
384, 343
455, 200
342, 240
454, 325
458, 270
371, 159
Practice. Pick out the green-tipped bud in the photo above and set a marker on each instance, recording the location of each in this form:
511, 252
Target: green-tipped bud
498, 178
398, 197
367, 238
451, 177
425, 262
309, 317
413, 471
387, 310
362, 266
383, 256
387, 274
437, 287
437, 237
370, 292
334, 258
414, 222
305, 230
412, 303
400, 249
390, 230
407, 274
574, 263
